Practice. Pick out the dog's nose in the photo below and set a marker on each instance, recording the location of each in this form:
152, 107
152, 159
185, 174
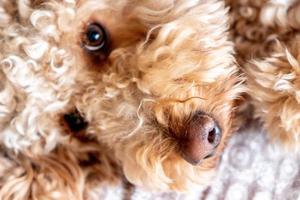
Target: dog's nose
202, 137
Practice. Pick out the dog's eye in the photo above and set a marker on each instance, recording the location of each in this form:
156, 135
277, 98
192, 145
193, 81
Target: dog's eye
95, 38
75, 121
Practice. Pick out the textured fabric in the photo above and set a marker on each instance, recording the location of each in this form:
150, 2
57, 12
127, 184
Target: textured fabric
251, 168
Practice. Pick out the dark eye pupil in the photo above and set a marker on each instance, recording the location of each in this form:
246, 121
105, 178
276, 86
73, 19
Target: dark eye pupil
94, 36
75, 121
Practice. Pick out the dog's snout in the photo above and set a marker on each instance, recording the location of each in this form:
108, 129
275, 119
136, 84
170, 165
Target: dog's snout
201, 138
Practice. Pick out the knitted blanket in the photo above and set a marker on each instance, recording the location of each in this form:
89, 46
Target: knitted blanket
251, 168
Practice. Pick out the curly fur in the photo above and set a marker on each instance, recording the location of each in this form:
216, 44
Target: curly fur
162, 70
276, 86
266, 36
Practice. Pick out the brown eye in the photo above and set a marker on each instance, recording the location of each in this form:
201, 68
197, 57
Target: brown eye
95, 39
75, 121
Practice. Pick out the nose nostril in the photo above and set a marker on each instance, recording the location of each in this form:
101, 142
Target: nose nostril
208, 156
212, 136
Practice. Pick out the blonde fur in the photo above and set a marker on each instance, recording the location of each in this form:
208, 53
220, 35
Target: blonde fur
266, 35
276, 97
162, 69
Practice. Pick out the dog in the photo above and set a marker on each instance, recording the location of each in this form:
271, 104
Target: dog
266, 37
92, 90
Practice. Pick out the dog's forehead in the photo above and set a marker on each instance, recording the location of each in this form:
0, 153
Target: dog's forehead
153, 11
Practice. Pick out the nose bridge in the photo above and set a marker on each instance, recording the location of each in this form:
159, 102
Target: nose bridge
200, 122
171, 112
180, 105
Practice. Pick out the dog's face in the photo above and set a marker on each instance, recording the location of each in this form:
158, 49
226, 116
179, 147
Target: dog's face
155, 81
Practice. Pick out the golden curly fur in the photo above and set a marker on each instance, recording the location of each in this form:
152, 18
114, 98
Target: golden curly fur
169, 60
266, 36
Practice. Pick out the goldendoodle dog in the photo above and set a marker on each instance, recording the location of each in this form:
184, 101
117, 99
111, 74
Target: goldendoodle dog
92, 90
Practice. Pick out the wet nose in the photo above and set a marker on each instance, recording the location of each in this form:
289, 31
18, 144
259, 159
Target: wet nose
202, 137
